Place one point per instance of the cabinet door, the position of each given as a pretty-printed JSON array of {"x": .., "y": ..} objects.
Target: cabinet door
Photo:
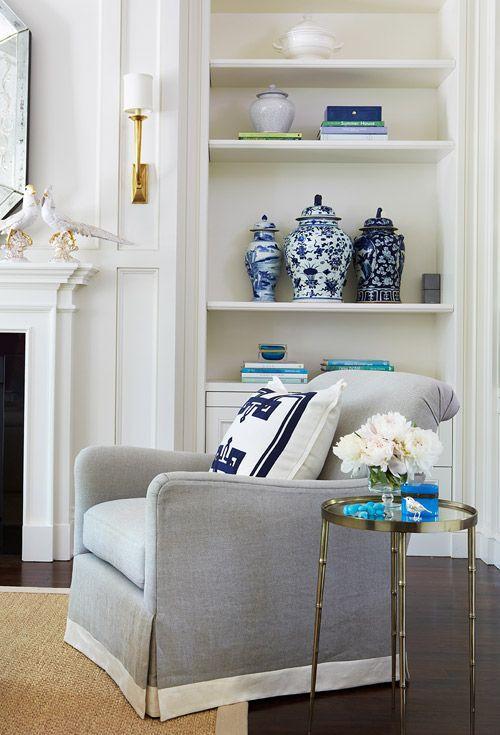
[
  {"x": 218, "y": 420},
  {"x": 444, "y": 475}
]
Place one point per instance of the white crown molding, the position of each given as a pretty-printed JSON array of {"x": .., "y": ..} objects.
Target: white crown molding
[{"x": 54, "y": 274}]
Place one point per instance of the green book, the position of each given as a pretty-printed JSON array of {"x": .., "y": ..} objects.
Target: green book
[
  {"x": 352, "y": 124},
  {"x": 269, "y": 136}
]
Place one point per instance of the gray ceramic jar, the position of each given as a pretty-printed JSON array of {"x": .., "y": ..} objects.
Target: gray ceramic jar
[
  {"x": 272, "y": 111},
  {"x": 318, "y": 254}
]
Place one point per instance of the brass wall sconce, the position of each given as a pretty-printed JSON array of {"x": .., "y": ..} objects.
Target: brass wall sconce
[{"x": 138, "y": 103}]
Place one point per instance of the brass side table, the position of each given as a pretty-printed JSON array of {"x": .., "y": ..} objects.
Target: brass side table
[{"x": 452, "y": 517}]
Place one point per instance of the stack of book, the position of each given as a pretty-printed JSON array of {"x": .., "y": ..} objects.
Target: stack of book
[
  {"x": 269, "y": 136},
  {"x": 329, "y": 364},
  {"x": 261, "y": 372},
  {"x": 353, "y": 123}
]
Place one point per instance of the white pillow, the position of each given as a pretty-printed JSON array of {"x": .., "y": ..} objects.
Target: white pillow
[{"x": 280, "y": 434}]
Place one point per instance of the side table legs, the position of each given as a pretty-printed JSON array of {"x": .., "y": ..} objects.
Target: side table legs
[
  {"x": 471, "y": 543},
  {"x": 402, "y": 628},
  {"x": 323, "y": 551},
  {"x": 394, "y": 610}
]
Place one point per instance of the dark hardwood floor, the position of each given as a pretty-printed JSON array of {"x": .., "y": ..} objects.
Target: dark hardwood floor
[
  {"x": 15, "y": 573},
  {"x": 438, "y": 698}
]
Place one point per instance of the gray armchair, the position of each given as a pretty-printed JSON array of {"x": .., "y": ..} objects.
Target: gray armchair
[{"x": 195, "y": 590}]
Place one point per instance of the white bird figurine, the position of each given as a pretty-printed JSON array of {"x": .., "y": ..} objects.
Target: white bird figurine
[
  {"x": 18, "y": 240},
  {"x": 65, "y": 228},
  {"x": 415, "y": 508}
]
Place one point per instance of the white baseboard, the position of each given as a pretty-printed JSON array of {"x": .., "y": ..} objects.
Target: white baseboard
[
  {"x": 430, "y": 544},
  {"x": 38, "y": 543},
  {"x": 454, "y": 545},
  {"x": 488, "y": 548},
  {"x": 48, "y": 543},
  {"x": 63, "y": 541}
]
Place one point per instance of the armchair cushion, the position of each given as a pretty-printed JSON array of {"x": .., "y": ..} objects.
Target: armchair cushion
[{"x": 114, "y": 531}]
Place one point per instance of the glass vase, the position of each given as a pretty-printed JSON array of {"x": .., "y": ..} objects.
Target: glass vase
[{"x": 387, "y": 492}]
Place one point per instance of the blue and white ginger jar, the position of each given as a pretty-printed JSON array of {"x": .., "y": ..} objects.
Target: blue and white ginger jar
[
  {"x": 263, "y": 260},
  {"x": 379, "y": 256},
  {"x": 318, "y": 254}
]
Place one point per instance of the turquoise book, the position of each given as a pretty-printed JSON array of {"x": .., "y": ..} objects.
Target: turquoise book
[{"x": 331, "y": 361}]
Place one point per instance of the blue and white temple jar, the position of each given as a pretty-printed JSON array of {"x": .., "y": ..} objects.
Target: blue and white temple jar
[
  {"x": 318, "y": 254},
  {"x": 263, "y": 260},
  {"x": 379, "y": 256}
]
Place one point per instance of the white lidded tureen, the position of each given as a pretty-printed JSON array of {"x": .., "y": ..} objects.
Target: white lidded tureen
[{"x": 308, "y": 40}]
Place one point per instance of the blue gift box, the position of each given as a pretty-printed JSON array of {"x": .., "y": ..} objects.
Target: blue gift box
[
  {"x": 426, "y": 492},
  {"x": 362, "y": 113}
]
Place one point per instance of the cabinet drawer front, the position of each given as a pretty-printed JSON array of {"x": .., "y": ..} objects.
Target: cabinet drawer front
[
  {"x": 229, "y": 398},
  {"x": 218, "y": 420}
]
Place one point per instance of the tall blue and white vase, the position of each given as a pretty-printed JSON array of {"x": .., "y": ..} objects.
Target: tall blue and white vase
[
  {"x": 318, "y": 254},
  {"x": 379, "y": 256},
  {"x": 263, "y": 260}
]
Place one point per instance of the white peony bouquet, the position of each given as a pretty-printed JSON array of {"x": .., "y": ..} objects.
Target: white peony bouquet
[{"x": 392, "y": 449}]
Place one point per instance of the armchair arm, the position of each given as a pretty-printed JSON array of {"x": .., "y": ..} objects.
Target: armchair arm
[
  {"x": 248, "y": 546},
  {"x": 185, "y": 511},
  {"x": 112, "y": 473}
]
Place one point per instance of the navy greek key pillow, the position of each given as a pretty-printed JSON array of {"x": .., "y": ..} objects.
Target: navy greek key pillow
[{"x": 281, "y": 434}]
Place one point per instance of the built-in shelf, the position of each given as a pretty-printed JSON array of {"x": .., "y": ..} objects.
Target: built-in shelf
[
  {"x": 378, "y": 73},
  {"x": 318, "y": 306},
  {"x": 320, "y": 151},
  {"x": 235, "y": 386},
  {"x": 327, "y": 6}
]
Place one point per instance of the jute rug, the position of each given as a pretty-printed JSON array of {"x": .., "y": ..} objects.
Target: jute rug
[{"x": 49, "y": 688}]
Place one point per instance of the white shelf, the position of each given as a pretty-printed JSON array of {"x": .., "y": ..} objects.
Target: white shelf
[
  {"x": 239, "y": 387},
  {"x": 377, "y": 73},
  {"x": 326, "y": 6},
  {"x": 320, "y": 151},
  {"x": 318, "y": 306}
]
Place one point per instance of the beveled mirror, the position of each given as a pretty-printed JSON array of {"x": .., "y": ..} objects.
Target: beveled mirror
[{"x": 14, "y": 89}]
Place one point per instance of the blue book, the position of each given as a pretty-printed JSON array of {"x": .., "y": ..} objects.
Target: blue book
[
  {"x": 357, "y": 112},
  {"x": 274, "y": 370},
  {"x": 380, "y": 368},
  {"x": 327, "y": 361}
]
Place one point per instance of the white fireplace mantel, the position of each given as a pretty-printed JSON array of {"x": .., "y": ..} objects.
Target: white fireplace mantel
[{"x": 37, "y": 299}]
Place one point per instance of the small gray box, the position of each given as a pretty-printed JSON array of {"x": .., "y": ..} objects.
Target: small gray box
[
  {"x": 431, "y": 296},
  {"x": 431, "y": 281}
]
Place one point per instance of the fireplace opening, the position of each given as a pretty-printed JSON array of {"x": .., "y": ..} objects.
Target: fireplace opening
[{"x": 12, "y": 369}]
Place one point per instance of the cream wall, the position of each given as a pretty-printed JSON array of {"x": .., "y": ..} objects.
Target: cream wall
[
  {"x": 126, "y": 344},
  {"x": 123, "y": 383}
]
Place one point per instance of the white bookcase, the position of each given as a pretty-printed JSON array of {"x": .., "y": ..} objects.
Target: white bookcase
[{"x": 409, "y": 57}]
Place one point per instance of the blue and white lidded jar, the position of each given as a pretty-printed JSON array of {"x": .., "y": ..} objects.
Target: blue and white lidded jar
[
  {"x": 318, "y": 254},
  {"x": 379, "y": 256},
  {"x": 263, "y": 260}
]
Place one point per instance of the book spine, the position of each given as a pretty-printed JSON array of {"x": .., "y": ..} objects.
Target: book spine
[
  {"x": 266, "y": 378},
  {"x": 353, "y": 123},
  {"x": 270, "y": 136},
  {"x": 327, "y": 361},
  {"x": 274, "y": 371},
  {"x": 353, "y": 137},
  {"x": 354, "y": 131},
  {"x": 270, "y": 364},
  {"x": 381, "y": 368}
]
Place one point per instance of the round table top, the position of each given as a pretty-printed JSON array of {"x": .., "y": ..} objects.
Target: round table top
[{"x": 452, "y": 517}]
